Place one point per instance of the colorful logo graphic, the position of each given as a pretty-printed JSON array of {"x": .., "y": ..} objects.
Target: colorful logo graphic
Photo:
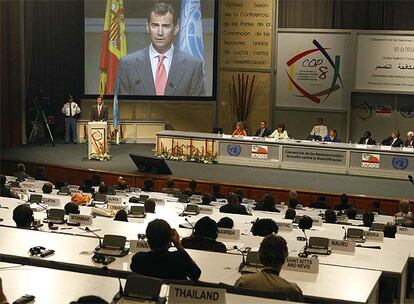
[
  {"x": 371, "y": 161},
  {"x": 363, "y": 110},
  {"x": 314, "y": 73},
  {"x": 407, "y": 111},
  {"x": 400, "y": 163},
  {"x": 233, "y": 150},
  {"x": 260, "y": 152},
  {"x": 383, "y": 111}
]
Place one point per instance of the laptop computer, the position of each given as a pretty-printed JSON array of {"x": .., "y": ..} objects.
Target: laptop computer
[
  {"x": 191, "y": 209},
  {"x": 137, "y": 211},
  {"x": 55, "y": 216},
  {"x": 355, "y": 234},
  {"x": 141, "y": 289},
  {"x": 113, "y": 245},
  {"x": 64, "y": 191}
]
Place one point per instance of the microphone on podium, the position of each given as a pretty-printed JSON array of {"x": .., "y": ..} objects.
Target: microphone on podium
[{"x": 95, "y": 234}]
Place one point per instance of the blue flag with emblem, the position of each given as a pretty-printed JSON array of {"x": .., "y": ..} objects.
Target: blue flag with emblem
[
  {"x": 116, "y": 114},
  {"x": 190, "y": 38}
]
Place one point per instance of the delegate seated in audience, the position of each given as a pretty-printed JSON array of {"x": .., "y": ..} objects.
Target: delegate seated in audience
[
  {"x": 40, "y": 174},
  {"x": 215, "y": 191},
  {"x": 344, "y": 205},
  {"x": 268, "y": 204},
  {"x": 87, "y": 186},
  {"x": 148, "y": 185},
  {"x": 405, "y": 209},
  {"x": 121, "y": 184},
  {"x": 23, "y": 216},
  {"x": 239, "y": 130},
  {"x": 273, "y": 252},
  {"x": 103, "y": 189},
  {"x": 206, "y": 199},
  {"x": 410, "y": 139},
  {"x": 4, "y": 190},
  {"x": 21, "y": 172},
  {"x": 89, "y": 300},
  {"x": 192, "y": 188},
  {"x": 149, "y": 205},
  {"x": 319, "y": 129},
  {"x": 262, "y": 131},
  {"x": 204, "y": 237},
  {"x": 332, "y": 136},
  {"x": 3, "y": 298},
  {"x": 376, "y": 206},
  {"x": 47, "y": 188},
  {"x": 96, "y": 180},
  {"x": 290, "y": 214},
  {"x": 321, "y": 203},
  {"x": 368, "y": 219},
  {"x": 330, "y": 216},
  {"x": 233, "y": 205},
  {"x": 366, "y": 139},
  {"x": 264, "y": 226},
  {"x": 59, "y": 184},
  {"x": 351, "y": 213},
  {"x": 390, "y": 230},
  {"x": 121, "y": 216},
  {"x": 161, "y": 263},
  {"x": 71, "y": 208},
  {"x": 394, "y": 140},
  {"x": 225, "y": 222},
  {"x": 293, "y": 199},
  {"x": 170, "y": 188},
  {"x": 280, "y": 132}
]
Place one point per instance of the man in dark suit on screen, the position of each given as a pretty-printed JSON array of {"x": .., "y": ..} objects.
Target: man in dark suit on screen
[
  {"x": 160, "y": 68},
  {"x": 99, "y": 111}
]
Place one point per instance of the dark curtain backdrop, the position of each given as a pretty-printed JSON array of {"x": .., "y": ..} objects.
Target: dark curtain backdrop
[
  {"x": 347, "y": 14},
  {"x": 10, "y": 79},
  {"x": 54, "y": 43}
]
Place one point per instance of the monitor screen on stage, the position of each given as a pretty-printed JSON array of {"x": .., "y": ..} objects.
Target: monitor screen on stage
[{"x": 147, "y": 49}]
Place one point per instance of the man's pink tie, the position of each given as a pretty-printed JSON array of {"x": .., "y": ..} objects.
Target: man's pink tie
[{"x": 161, "y": 76}]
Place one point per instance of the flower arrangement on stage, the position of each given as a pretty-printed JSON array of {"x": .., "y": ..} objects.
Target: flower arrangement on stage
[
  {"x": 101, "y": 157},
  {"x": 178, "y": 153}
]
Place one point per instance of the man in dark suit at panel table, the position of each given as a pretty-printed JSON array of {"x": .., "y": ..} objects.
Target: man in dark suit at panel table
[
  {"x": 160, "y": 68},
  {"x": 263, "y": 131}
]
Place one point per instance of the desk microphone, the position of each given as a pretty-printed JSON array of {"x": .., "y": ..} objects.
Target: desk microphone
[
  {"x": 121, "y": 289},
  {"x": 192, "y": 226},
  {"x": 44, "y": 208},
  {"x": 344, "y": 232},
  {"x": 243, "y": 253},
  {"x": 95, "y": 234}
]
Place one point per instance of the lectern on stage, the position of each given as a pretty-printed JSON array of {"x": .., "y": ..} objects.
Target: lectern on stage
[{"x": 97, "y": 139}]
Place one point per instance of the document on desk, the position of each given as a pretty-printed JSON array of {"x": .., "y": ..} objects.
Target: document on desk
[{"x": 91, "y": 228}]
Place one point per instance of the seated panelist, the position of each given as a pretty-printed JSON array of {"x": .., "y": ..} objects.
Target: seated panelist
[
  {"x": 239, "y": 131},
  {"x": 280, "y": 132},
  {"x": 394, "y": 140},
  {"x": 366, "y": 139},
  {"x": 319, "y": 129},
  {"x": 263, "y": 131},
  {"x": 332, "y": 136}
]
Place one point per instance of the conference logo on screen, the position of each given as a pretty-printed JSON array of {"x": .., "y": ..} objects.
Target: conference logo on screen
[
  {"x": 400, "y": 163},
  {"x": 314, "y": 73},
  {"x": 371, "y": 161},
  {"x": 233, "y": 150}
]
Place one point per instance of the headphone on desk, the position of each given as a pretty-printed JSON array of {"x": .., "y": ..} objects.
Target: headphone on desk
[
  {"x": 37, "y": 250},
  {"x": 99, "y": 258}
]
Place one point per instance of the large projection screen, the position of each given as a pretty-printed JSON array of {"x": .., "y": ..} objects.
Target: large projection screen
[{"x": 125, "y": 38}]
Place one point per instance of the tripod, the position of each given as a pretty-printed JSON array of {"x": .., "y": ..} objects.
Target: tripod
[{"x": 40, "y": 118}]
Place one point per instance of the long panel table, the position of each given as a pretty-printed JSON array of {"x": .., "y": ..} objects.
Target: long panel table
[{"x": 305, "y": 155}]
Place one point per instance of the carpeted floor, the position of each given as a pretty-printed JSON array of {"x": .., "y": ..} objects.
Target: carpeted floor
[{"x": 76, "y": 156}]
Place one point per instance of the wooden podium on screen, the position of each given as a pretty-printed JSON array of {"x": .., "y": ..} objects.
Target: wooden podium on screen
[{"x": 97, "y": 139}]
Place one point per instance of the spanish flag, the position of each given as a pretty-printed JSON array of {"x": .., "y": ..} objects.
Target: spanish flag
[{"x": 113, "y": 45}]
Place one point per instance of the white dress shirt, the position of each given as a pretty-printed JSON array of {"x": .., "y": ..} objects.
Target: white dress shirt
[
  {"x": 153, "y": 54},
  {"x": 67, "y": 106}
]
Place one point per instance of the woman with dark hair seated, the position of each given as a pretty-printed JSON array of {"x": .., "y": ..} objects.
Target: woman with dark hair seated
[
  {"x": 160, "y": 262},
  {"x": 268, "y": 204},
  {"x": 148, "y": 185},
  {"x": 273, "y": 252},
  {"x": 204, "y": 237},
  {"x": 225, "y": 222},
  {"x": 121, "y": 216},
  {"x": 332, "y": 136},
  {"x": 290, "y": 214},
  {"x": 87, "y": 186},
  {"x": 330, "y": 216}
]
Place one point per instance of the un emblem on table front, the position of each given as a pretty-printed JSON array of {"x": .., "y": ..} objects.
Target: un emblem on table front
[
  {"x": 233, "y": 150},
  {"x": 400, "y": 163}
]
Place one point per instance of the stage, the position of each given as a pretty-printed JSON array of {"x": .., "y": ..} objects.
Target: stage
[{"x": 75, "y": 156}]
